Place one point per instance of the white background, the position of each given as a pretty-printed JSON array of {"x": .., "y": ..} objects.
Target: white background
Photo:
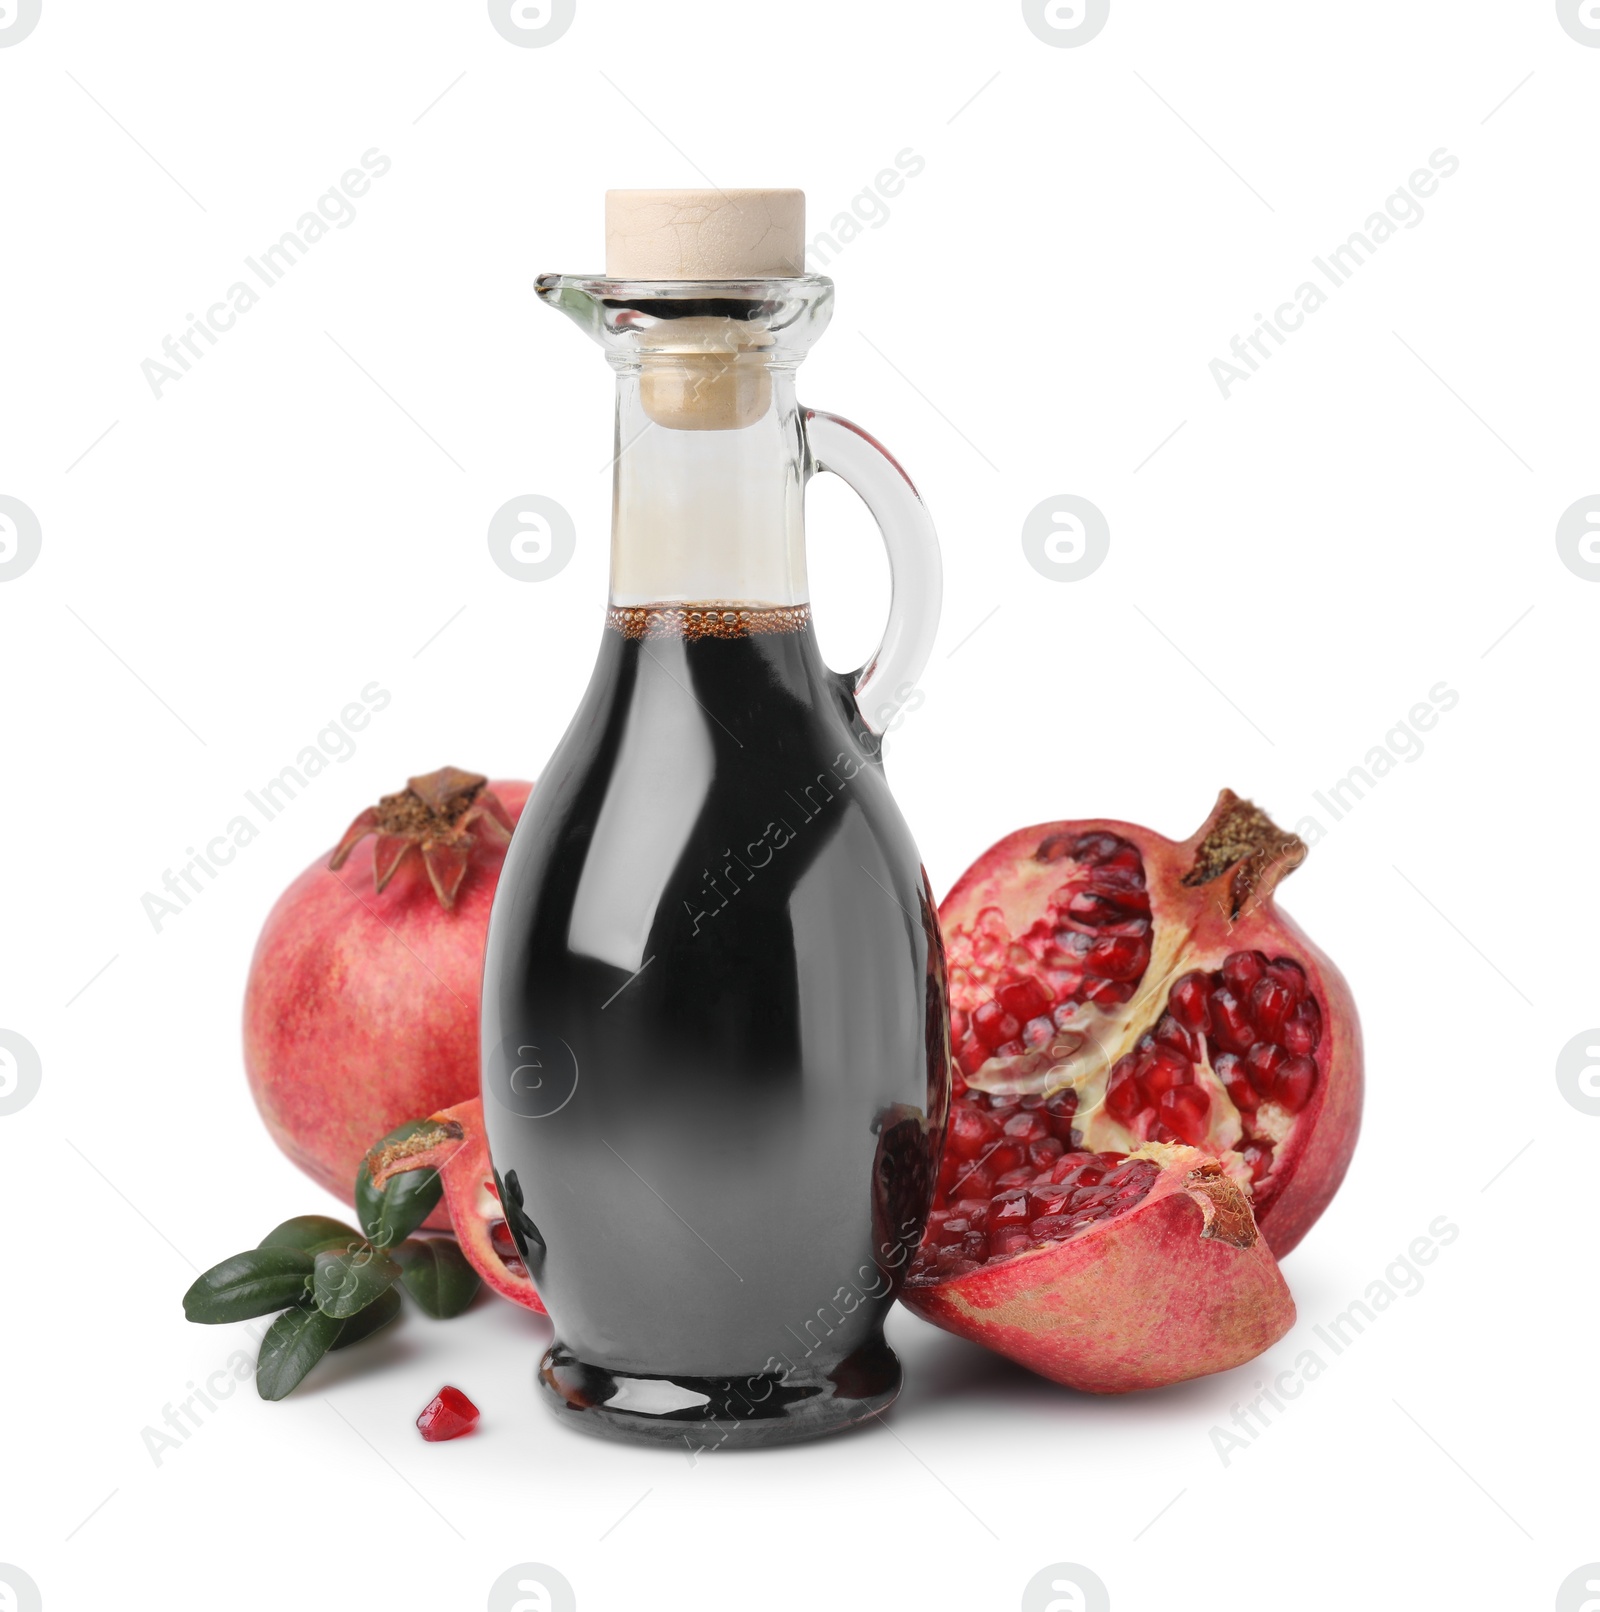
[{"x": 1370, "y": 515}]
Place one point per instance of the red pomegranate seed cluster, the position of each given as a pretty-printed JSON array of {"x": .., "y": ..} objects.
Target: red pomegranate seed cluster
[
  {"x": 1259, "y": 1023},
  {"x": 1012, "y": 995},
  {"x": 991, "y": 1207}
]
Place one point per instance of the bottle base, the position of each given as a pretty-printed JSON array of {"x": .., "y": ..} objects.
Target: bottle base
[{"x": 712, "y": 1413}]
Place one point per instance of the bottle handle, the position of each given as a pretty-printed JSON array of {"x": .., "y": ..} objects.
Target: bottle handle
[{"x": 916, "y": 575}]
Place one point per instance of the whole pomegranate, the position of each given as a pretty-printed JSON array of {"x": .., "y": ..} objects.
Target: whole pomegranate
[{"x": 361, "y": 1010}]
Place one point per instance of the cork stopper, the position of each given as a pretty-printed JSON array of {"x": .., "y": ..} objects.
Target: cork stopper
[
  {"x": 705, "y": 372},
  {"x": 705, "y": 234}
]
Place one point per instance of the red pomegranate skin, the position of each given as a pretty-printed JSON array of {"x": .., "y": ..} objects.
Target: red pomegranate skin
[
  {"x": 1179, "y": 1286},
  {"x": 361, "y": 1010}
]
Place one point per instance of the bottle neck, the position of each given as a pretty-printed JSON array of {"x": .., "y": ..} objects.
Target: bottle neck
[{"x": 709, "y": 514}]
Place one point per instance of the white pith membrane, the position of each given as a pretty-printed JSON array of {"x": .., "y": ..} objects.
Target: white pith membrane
[{"x": 1053, "y": 920}]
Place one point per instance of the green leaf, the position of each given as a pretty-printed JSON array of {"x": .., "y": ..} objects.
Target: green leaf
[
  {"x": 347, "y": 1280},
  {"x": 390, "y": 1216},
  {"x": 253, "y": 1283},
  {"x": 378, "y": 1314},
  {"x": 294, "y": 1343},
  {"x": 437, "y": 1275},
  {"x": 309, "y": 1232}
]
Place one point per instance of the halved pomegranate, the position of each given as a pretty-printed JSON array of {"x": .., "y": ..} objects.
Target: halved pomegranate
[
  {"x": 1111, "y": 987},
  {"x": 454, "y": 1144},
  {"x": 1110, "y": 1274}
]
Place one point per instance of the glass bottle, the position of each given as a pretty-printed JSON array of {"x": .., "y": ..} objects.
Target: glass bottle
[{"x": 714, "y": 1023}]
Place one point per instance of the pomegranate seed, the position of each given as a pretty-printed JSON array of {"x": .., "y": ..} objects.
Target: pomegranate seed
[
  {"x": 1296, "y": 1080},
  {"x": 1230, "y": 1027},
  {"x": 1044, "y": 1153},
  {"x": 1048, "y": 1228},
  {"x": 1289, "y": 974},
  {"x": 1025, "y": 1127},
  {"x": 1120, "y": 958},
  {"x": 1023, "y": 1000},
  {"x": 1006, "y": 1156},
  {"x": 1258, "y": 1155},
  {"x": 972, "y": 1057},
  {"x": 1190, "y": 1000},
  {"x": 1240, "y": 970},
  {"x": 1169, "y": 1033},
  {"x": 1010, "y": 1049},
  {"x": 1236, "y": 1083},
  {"x": 975, "y": 1211},
  {"x": 973, "y": 1181},
  {"x": 1004, "y": 1244},
  {"x": 1031, "y": 1100},
  {"x": 1089, "y": 908},
  {"x": 971, "y": 1131},
  {"x": 448, "y": 1414},
  {"x": 1270, "y": 1004},
  {"x": 993, "y": 1026},
  {"x": 1038, "y": 1032},
  {"x": 1108, "y": 993},
  {"x": 1185, "y": 1110},
  {"x": 1160, "y": 1070},
  {"x": 952, "y": 1233},
  {"x": 1022, "y": 1176},
  {"x": 1123, "y": 1099},
  {"x": 1093, "y": 849},
  {"x": 1263, "y": 1062},
  {"x": 1304, "y": 1029},
  {"x": 1060, "y": 1110},
  {"x": 1003, "y": 1104},
  {"x": 958, "y": 1026}
]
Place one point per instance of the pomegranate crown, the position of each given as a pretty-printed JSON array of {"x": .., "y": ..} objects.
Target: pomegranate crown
[{"x": 440, "y": 816}]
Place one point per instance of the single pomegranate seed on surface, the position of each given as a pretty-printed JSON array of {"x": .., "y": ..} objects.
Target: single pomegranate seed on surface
[
  {"x": 447, "y": 1415},
  {"x": 1289, "y": 974}
]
